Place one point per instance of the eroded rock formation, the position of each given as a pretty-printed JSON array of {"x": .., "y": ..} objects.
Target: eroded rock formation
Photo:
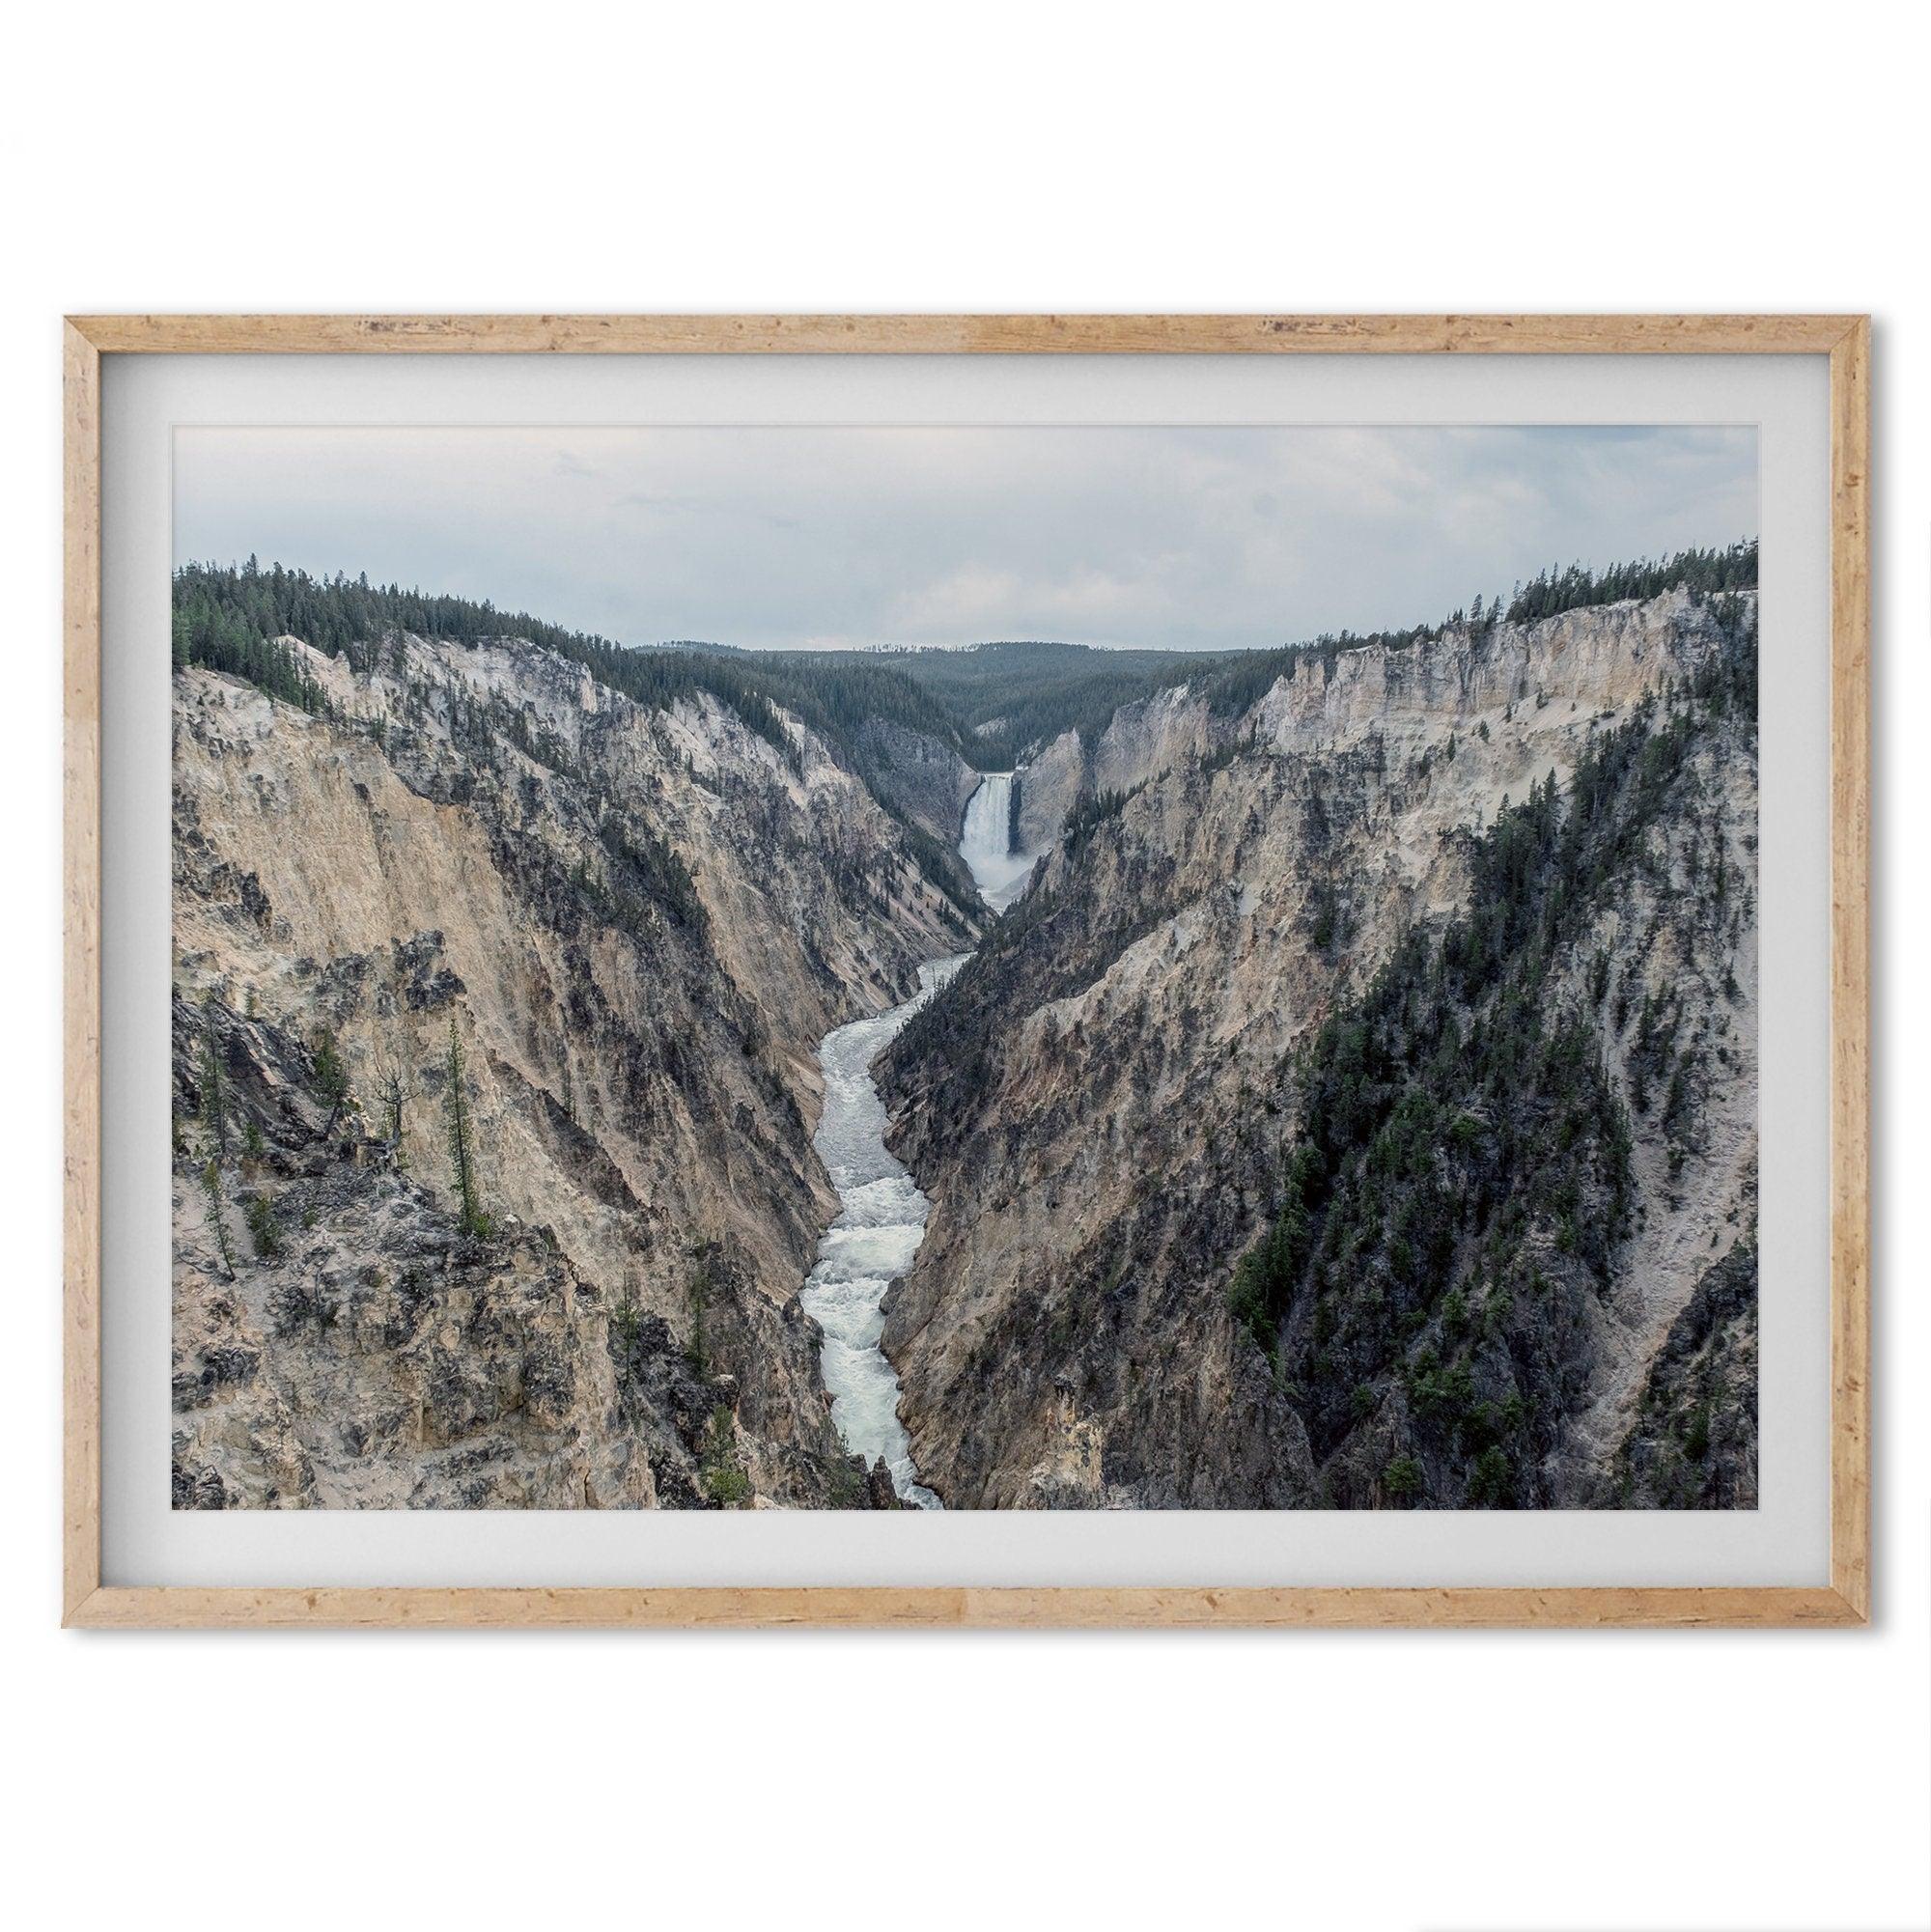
[
  {"x": 633, "y": 924},
  {"x": 1107, "y": 1105}
]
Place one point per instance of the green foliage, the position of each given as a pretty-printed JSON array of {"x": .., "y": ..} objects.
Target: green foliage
[
  {"x": 459, "y": 1130},
  {"x": 1457, "y": 1122},
  {"x": 626, "y": 1323},
  {"x": 1706, "y": 573},
  {"x": 212, "y": 1081},
  {"x": 838, "y": 693},
  {"x": 1090, "y": 811},
  {"x": 1599, "y": 975},
  {"x": 646, "y": 871},
  {"x": 1005, "y": 697},
  {"x": 724, "y": 1479},
  {"x": 1401, "y": 1480},
  {"x": 1492, "y": 1484},
  {"x": 700, "y": 1295},
  {"x": 1265, "y": 1277},
  {"x": 211, "y": 630},
  {"x": 332, "y": 1077},
  {"x": 264, "y": 1228},
  {"x": 844, "y": 1485},
  {"x": 211, "y": 1186},
  {"x": 991, "y": 702},
  {"x": 228, "y": 619},
  {"x": 225, "y": 618},
  {"x": 1030, "y": 692},
  {"x": 1329, "y": 923}
]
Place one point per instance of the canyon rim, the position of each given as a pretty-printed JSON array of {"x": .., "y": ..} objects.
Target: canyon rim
[{"x": 957, "y": 969}]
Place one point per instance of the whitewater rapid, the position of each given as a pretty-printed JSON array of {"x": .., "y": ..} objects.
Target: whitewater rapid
[
  {"x": 881, "y": 1211},
  {"x": 871, "y": 1244}
]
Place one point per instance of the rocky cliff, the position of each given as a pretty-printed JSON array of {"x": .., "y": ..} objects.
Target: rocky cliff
[
  {"x": 1150, "y": 735},
  {"x": 1354, "y": 1108},
  {"x": 928, "y": 781},
  {"x": 619, "y": 930}
]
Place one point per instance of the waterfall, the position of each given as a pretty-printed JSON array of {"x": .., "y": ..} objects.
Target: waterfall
[
  {"x": 986, "y": 843},
  {"x": 881, "y": 1211}
]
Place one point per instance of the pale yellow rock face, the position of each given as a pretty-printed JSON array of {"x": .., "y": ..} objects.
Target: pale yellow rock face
[
  {"x": 485, "y": 836},
  {"x": 634, "y": 1093},
  {"x": 1369, "y": 779}
]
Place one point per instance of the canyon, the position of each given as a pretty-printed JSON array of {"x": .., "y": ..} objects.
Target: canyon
[
  {"x": 1106, "y": 1109},
  {"x": 631, "y": 926},
  {"x": 1325, "y": 1080}
]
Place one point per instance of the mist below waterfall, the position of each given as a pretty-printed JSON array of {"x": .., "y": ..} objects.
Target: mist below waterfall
[{"x": 986, "y": 843}]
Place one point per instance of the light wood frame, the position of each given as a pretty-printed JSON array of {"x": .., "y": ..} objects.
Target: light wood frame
[{"x": 1845, "y": 1600}]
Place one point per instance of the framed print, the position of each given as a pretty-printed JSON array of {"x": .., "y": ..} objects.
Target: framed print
[{"x": 977, "y": 971}]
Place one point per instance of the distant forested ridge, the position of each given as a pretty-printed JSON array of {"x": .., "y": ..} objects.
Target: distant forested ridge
[
  {"x": 1006, "y": 697},
  {"x": 992, "y": 703},
  {"x": 1009, "y": 698}
]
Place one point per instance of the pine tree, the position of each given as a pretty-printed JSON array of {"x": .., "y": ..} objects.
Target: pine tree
[
  {"x": 462, "y": 1137},
  {"x": 694, "y": 1353},
  {"x": 210, "y": 1185},
  {"x": 213, "y": 1097},
  {"x": 332, "y": 1077},
  {"x": 263, "y": 1227}
]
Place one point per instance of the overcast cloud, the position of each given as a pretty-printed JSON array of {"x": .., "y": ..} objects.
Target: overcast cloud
[{"x": 1194, "y": 538}]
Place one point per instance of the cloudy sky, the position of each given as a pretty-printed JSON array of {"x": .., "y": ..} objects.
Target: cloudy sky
[{"x": 1203, "y": 539}]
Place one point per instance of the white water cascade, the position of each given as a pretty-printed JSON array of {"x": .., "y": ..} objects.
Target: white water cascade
[
  {"x": 987, "y": 845},
  {"x": 872, "y": 1241},
  {"x": 881, "y": 1211}
]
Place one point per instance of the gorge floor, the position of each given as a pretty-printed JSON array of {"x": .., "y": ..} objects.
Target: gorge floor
[
  {"x": 879, "y": 1225},
  {"x": 882, "y": 1211}
]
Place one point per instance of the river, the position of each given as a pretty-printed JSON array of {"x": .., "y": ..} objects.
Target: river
[{"x": 881, "y": 1211}]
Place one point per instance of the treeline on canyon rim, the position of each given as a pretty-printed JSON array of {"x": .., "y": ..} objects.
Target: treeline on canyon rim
[
  {"x": 232, "y": 620},
  {"x": 229, "y": 619},
  {"x": 989, "y": 704},
  {"x": 1010, "y": 698},
  {"x": 1231, "y": 685}
]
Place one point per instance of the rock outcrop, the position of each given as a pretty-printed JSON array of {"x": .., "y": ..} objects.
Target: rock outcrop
[
  {"x": 928, "y": 781},
  {"x": 1106, "y": 1107},
  {"x": 1692, "y": 1441},
  {"x": 1357, "y": 1111},
  {"x": 633, "y": 924}
]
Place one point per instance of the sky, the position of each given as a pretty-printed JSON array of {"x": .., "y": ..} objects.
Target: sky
[{"x": 1192, "y": 539}]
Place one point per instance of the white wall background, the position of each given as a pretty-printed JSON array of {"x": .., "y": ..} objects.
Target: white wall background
[{"x": 844, "y": 156}]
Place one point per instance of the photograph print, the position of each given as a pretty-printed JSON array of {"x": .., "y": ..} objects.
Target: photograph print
[{"x": 964, "y": 968}]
